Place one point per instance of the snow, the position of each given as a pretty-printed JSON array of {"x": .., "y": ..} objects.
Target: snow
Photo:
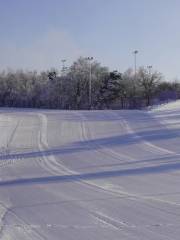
[
  {"x": 174, "y": 105},
  {"x": 90, "y": 174}
]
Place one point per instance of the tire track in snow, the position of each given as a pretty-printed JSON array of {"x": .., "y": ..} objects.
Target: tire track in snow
[
  {"x": 112, "y": 190},
  {"x": 99, "y": 147},
  {"x": 117, "y": 189},
  {"x": 5, "y": 151},
  {"x": 20, "y": 224},
  {"x": 147, "y": 143},
  {"x": 4, "y": 210},
  {"x": 154, "y": 148},
  {"x": 66, "y": 170}
]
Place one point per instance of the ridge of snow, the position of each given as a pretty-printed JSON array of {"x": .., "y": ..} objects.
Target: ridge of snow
[{"x": 175, "y": 105}]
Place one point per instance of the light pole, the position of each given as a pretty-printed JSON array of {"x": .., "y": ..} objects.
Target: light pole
[
  {"x": 149, "y": 69},
  {"x": 63, "y": 67},
  {"x": 61, "y": 82},
  {"x": 150, "y": 84},
  {"x": 90, "y": 80},
  {"x": 135, "y": 62},
  {"x": 135, "y": 52}
]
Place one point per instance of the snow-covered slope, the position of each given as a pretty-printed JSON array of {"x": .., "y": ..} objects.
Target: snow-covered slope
[
  {"x": 76, "y": 175},
  {"x": 174, "y": 105},
  {"x": 168, "y": 114}
]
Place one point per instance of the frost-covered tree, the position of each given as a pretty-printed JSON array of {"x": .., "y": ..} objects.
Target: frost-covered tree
[
  {"x": 110, "y": 88},
  {"x": 79, "y": 79},
  {"x": 148, "y": 82},
  {"x": 48, "y": 89}
]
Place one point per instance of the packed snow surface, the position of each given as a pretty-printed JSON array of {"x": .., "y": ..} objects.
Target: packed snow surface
[
  {"x": 174, "y": 105},
  {"x": 90, "y": 174}
]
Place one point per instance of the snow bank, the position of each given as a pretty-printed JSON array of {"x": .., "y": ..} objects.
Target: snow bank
[{"x": 175, "y": 105}]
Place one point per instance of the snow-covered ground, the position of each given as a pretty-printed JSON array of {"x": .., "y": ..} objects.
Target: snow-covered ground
[
  {"x": 90, "y": 174},
  {"x": 173, "y": 105}
]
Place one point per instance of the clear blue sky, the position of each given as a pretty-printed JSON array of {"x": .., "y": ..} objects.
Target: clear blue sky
[{"x": 37, "y": 34}]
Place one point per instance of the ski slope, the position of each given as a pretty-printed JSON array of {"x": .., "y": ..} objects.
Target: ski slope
[{"x": 90, "y": 174}]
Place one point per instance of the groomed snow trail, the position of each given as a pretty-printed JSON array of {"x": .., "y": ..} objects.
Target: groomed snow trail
[{"x": 90, "y": 174}]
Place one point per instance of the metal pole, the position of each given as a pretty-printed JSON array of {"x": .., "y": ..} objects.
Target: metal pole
[
  {"x": 149, "y": 90},
  {"x": 135, "y": 75},
  {"x": 149, "y": 68},
  {"x": 90, "y": 87},
  {"x": 135, "y": 63},
  {"x": 63, "y": 67},
  {"x": 90, "y": 81},
  {"x": 61, "y": 83}
]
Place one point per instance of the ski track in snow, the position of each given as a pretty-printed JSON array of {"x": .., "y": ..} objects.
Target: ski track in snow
[{"x": 52, "y": 164}]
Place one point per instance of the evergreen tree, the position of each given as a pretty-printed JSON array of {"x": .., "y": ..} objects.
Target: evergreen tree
[{"x": 110, "y": 89}]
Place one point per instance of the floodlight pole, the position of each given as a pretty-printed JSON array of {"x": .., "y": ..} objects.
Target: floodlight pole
[
  {"x": 135, "y": 62},
  {"x": 135, "y": 73},
  {"x": 90, "y": 80},
  {"x": 149, "y": 69},
  {"x": 63, "y": 67}
]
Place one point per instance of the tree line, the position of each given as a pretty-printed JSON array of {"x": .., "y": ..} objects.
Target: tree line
[{"x": 70, "y": 89}]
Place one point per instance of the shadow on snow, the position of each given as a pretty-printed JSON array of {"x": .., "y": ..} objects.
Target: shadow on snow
[{"x": 92, "y": 176}]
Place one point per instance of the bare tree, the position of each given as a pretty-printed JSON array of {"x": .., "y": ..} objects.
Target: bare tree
[{"x": 148, "y": 82}]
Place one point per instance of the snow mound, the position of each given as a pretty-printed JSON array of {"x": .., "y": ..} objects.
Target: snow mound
[{"x": 175, "y": 105}]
